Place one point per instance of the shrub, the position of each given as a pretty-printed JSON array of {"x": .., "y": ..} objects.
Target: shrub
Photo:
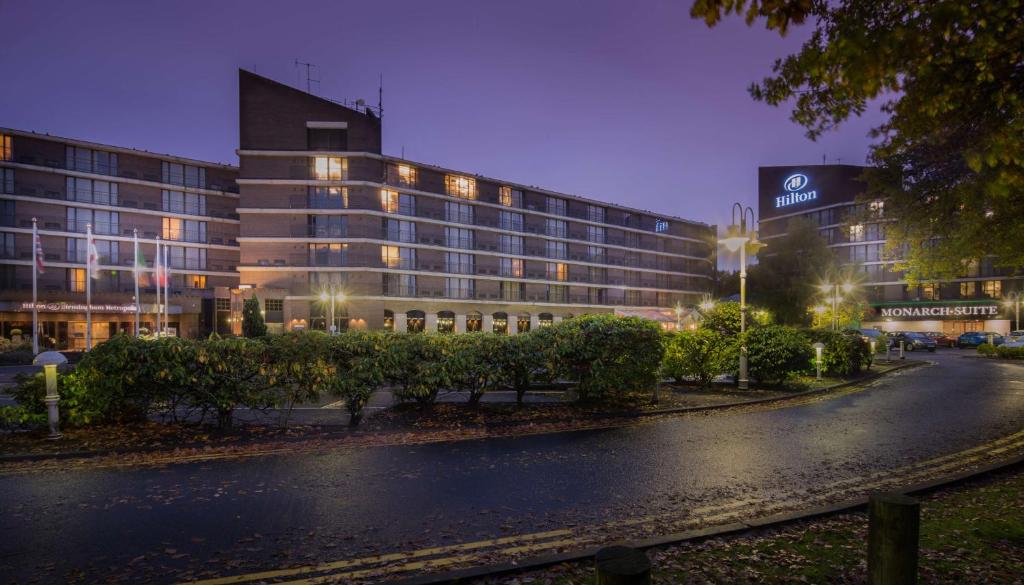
[
  {"x": 531, "y": 358},
  {"x": 776, "y": 353},
  {"x": 1011, "y": 353},
  {"x": 986, "y": 349},
  {"x": 301, "y": 366},
  {"x": 360, "y": 362},
  {"x": 419, "y": 365},
  {"x": 480, "y": 363},
  {"x": 253, "y": 324},
  {"x": 230, "y": 372},
  {"x": 845, "y": 353},
  {"x": 698, "y": 356},
  {"x": 724, "y": 317},
  {"x": 608, "y": 356}
]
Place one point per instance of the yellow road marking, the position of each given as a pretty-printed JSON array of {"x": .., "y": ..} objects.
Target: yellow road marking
[
  {"x": 428, "y": 564},
  {"x": 425, "y": 552}
]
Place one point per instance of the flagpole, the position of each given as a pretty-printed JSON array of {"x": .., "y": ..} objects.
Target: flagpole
[
  {"x": 167, "y": 289},
  {"x": 138, "y": 301},
  {"x": 35, "y": 287},
  {"x": 156, "y": 280},
  {"x": 88, "y": 286}
]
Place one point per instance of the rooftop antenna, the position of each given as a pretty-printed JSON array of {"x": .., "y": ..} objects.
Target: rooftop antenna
[{"x": 309, "y": 78}]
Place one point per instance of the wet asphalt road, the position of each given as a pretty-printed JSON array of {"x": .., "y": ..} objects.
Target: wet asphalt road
[{"x": 281, "y": 510}]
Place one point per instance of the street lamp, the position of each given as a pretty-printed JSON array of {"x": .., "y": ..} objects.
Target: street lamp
[
  {"x": 1013, "y": 300},
  {"x": 738, "y": 237},
  {"x": 834, "y": 290},
  {"x": 330, "y": 294}
]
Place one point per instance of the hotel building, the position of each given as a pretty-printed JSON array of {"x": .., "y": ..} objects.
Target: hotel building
[
  {"x": 68, "y": 184},
  {"x": 315, "y": 210},
  {"x": 829, "y": 197}
]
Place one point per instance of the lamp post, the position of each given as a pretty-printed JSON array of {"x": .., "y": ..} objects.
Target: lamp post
[
  {"x": 1013, "y": 300},
  {"x": 833, "y": 289},
  {"x": 739, "y": 235},
  {"x": 333, "y": 296},
  {"x": 818, "y": 348}
]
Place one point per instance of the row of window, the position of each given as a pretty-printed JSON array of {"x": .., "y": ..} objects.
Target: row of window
[
  {"x": 112, "y": 281},
  {"x": 109, "y": 254},
  {"x": 182, "y": 174},
  {"x": 336, "y": 168},
  {"x": 87, "y": 160}
]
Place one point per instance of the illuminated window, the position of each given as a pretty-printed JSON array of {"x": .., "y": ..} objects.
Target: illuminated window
[
  {"x": 660, "y": 225},
  {"x": 195, "y": 280},
  {"x": 968, "y": 290},
  {"x": 992, "y": 289},
  {"x": 558, "y": 271},
  {"x": 462, "y": 187},
  {"x": 328, "y": 254},
  {"x": 76, "y": 279},
  {"x": 930, "y": 292},
  {"x": 406, "y": 175},
  {"x": 510, "y": 197},
  {"x": 330, "y": 168},
  {"x": 184, "y": 230},
  {"x": 877, "y": 208},
  {"x": 395, "y": 257},
  {"x": 6, "y": 147},
  {"x": 395, "y": 202},
  {"x": 857, "y": 233},
  {"x": 511, "y": 267}
]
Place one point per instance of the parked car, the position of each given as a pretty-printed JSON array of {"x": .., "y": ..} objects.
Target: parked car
[
  {"x": 941, "y": 339},
  {"x": 912, "y": 340},
  {"x": 1015, "y": 336},
  {"x": 1018, "y": 343},
  {"x": 868, "y": 335},
  {"x": 976, "y": 338}
]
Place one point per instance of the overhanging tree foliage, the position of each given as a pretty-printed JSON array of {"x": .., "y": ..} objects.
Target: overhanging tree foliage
[{"x": 949, "y": 161}]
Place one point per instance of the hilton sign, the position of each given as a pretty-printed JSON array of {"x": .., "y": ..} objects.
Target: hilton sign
[
  {"x": 795, "y": 185},
  {"x": 940, "y": 312}
]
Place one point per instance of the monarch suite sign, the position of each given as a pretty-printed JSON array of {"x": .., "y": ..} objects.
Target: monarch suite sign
[{"x": 940, "y": 311}]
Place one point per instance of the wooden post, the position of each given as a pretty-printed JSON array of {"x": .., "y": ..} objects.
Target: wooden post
[
  {"x": 622, "y": 565},
  {"x": 894, "y": 522}
]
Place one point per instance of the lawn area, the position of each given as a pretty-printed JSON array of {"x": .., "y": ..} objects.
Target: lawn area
[{"x": 972, "y": 533}]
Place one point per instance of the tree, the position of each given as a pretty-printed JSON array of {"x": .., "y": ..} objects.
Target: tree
[
  {"x": 788, "y": 272},
  {"x": 949, "y": 160},
  {"x": 724, "y": 317},
  {"x": 253, "y": 324}
]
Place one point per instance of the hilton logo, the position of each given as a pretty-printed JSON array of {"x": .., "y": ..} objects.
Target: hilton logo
[{"x": 795, "y": 185}]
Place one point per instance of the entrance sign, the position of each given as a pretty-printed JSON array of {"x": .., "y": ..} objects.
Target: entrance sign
[
  {"x": 796, "y": 185},
  {"x": 66, "y": 307}
]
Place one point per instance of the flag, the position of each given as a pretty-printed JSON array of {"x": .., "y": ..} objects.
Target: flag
[
  {"x": 38, "y": 245},
  {"x": 140, "y": 266},
  {"x": 161, "y": 272},
  {"x": 93, "y": 259}
]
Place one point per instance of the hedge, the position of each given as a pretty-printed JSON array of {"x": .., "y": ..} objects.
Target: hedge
[
  {"x": 845, "y": 353},
  {"x": 776, "y": 353}
]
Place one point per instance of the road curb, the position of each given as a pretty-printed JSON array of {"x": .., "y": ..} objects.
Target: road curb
[
  {"x": 29, "y": 457},
  {"x": 539, "y": 562}
]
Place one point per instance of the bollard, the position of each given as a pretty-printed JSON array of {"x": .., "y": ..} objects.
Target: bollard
[
  {"x": 893, "y": 530},
  {"x": 902, "y": 357},
  {"x": 621, "y": 565},
  {"x": 50, "y": 360},
  {"x": 888, "y": 347}
]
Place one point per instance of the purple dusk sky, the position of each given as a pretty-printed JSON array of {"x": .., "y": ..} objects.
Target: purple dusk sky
[{"x": 629, "y": 102}]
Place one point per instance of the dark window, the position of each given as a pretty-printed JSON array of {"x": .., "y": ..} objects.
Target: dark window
[{"x": 327, "y": 138}]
